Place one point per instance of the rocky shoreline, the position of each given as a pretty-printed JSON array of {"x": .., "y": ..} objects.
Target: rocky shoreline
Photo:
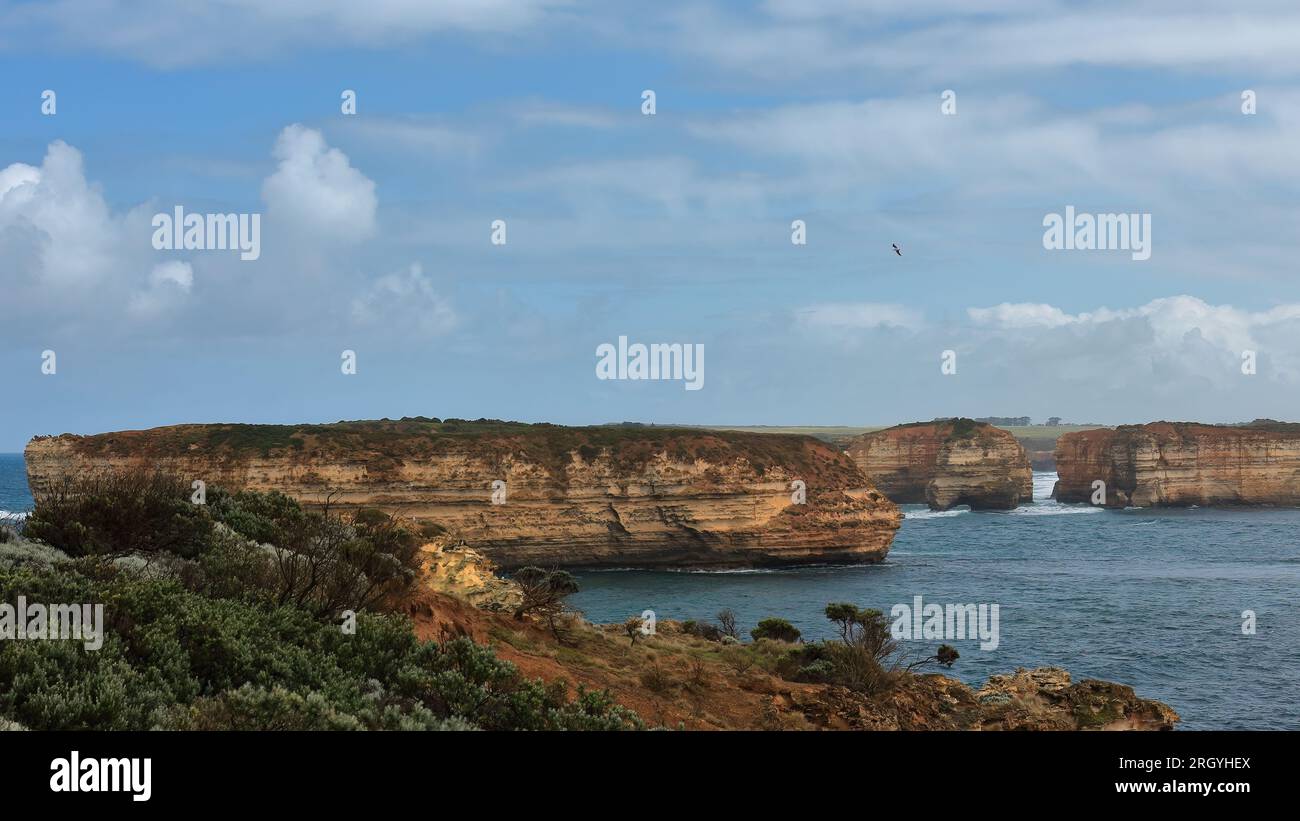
[{"x": 678, "y": 677}]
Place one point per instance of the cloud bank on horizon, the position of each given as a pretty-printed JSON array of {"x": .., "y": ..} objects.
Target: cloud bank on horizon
[{"x": 951, "y": 133}]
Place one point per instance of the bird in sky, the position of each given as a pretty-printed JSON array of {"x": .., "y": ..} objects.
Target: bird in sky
[{"x": 897, "y": 250}]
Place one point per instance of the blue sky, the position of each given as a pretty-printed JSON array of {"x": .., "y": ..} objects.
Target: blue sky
[{"x": 666, "y": 228}]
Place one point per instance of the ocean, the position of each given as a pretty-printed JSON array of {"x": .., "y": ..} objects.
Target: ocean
[
  {"x": 15, "y": 498},
  {"x": 1149, "y": 598}
]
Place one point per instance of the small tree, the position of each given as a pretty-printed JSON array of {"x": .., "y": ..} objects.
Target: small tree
[
  {"x": 845, "y": 616},
  {"x": 778, "y": 629},
  {"x": 873, "y": 634},
  {"x": 727, "y": 622},
  {"x": 633, "y": 628},
  {"x": 544, "y": 593},
  {"x": 946, "y": 656}
]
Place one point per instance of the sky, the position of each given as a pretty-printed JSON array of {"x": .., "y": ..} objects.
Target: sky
[{"x": 950, "y": 132}]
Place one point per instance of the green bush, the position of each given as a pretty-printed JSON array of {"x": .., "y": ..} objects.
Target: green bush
[
  {"x": 116, "y": 514},
  {"x": 223, "y": 616},
  {"x": 263, "y": 547},
  {"x": 778, "y": 629},
  {"x": 702, "y": 629},
  {"x": 175, "y": 659},
  {"x": 866, "y": 658},
  {"x": 267, "y": 518}
]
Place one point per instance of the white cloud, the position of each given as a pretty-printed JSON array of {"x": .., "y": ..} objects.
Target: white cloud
[
  {"x": 404, "y": 302},
  {"x": 170, "y": 283},
  {"x": 56, "y": 230},
  {"x": 1014, "y": 143},
  {"x": 1169, "y": 329},
  {"x": 217, "y": 31},
  {"x": 1021, "y": 315},
  {"x": 790, "y": 39},
  {"x": 316, "y": 190},
  {"x": 81, "y": 267}
]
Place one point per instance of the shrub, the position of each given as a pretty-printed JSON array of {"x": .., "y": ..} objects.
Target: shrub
[
  {"x": 820, "y": 671},
  {"x": 633, "y": 628},
  {"x": 698, "y": 673},
  {"x": 119, "y": 513},
  {"x": 738, "y": 658},
  {"x": 267, "y": 518},
  {"x": 259, "y": 546},
  {"x": 947, "y": 655},
  {"x": 777, "y": 629},
  {"x": 544, "y": 592},
  {"x": 865, "y": 659},
  {"x": 702, "y": 629},
  {"x": 20, "y": 551},
  {"x": 430, "y": 530},
  {"x": 656, "y": 680},
  {"x": 175, "y": 659}
]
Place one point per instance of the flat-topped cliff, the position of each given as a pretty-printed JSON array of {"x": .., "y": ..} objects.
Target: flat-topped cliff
[
  {"x": 946, "y": 463},
  {"x": 624, "y": 495},
  {"x": 1179, "y": 464}
]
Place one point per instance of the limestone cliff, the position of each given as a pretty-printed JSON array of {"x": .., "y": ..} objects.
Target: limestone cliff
[
  {"x": 946, "y": 463},
  {"x": 1179, "y": 464},
  {"x": 597, "y": 496}
]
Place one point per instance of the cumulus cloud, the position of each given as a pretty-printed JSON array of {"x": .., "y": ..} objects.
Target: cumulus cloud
[
  {"x": 170, "y": 283},
  {"x": 404, "y": 302},
  {"x": 80, "y": 264},
  {"x": 315, "y": 190},
  {"x": 1177, "y": 357},
  {"x": 1170, "y": 342},
  {"x": 56, "y": 230},
  {"x": 1022, "y": 315}
]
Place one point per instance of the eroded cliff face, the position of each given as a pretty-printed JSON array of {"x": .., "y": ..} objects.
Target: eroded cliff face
[
  {"x": 1179, "y": 464},
  {"x": 945, "y": 464},
  {"x": 601, "y": 496}
]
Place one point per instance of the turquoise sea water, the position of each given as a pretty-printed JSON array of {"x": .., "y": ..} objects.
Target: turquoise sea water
[{"x": 1152, "y": 599}]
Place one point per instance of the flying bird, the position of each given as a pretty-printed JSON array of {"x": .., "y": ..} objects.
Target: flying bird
[{"x": 897, "y": 250}]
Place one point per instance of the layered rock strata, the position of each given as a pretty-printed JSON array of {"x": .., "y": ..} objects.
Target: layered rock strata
[
  {"x": 1180, "y": 464},
  {"x": 534, "y": 494},
  {"x": 946, "y": 463}
]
